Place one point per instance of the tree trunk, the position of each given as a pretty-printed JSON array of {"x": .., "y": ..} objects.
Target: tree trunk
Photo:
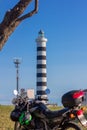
[{"x": 13, "y": 18}]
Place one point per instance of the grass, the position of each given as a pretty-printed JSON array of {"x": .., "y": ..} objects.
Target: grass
[{"x": 7, "y": 124}]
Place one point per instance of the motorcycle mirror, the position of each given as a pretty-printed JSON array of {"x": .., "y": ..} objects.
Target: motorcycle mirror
[
  {"x": 15, "y": 92},
  {"x": 47, "y": 91}
]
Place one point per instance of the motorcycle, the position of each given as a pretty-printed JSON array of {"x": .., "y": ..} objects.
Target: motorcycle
[{"x": 35, "y": 115}]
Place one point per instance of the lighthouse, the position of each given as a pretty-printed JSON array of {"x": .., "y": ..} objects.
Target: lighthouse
[{"x": 41, "y": 72}]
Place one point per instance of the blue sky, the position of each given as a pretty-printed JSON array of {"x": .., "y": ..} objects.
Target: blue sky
[{"x": 65, "y": 25}]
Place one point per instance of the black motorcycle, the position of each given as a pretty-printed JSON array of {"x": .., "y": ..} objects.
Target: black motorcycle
[{"x": 35, "y": 115}]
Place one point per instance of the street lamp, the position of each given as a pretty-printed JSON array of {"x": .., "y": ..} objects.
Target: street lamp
[{"x": 17, "y": 61}]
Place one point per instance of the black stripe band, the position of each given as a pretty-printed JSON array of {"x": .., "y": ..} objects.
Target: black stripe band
[
  {"x": 41, "y": 83},
  {"x": 41, "y": 66},
  {"x": 41, "y": 48},
  {"x": 41, "y": 93},
  {"x": 41, "y": 57},
  {"x": 41, "y": 74}
]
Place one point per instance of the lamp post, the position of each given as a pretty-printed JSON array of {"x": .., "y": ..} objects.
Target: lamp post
[{"x": 17, "y": 62}]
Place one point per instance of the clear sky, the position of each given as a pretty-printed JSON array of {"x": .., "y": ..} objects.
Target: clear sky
[{"x": 65, "y": 25}]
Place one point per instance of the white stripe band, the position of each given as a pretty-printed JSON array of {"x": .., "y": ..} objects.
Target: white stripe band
[
  {"x": 41, "y": 61},
  {"x": 41, "y": 45},
  {"x": 40, "y": 88},
  {"x": 41, "y": 70},
  {"x": 43, "y": 96},
  {"x": 41, "y": 53},
  {"x": 41, "y": 79}
]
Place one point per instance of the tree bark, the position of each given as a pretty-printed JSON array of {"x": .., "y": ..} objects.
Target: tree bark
[{"x": 13, "y": 18}]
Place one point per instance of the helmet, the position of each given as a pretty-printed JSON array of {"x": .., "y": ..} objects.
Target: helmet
[{"x": 15, "y": 114}]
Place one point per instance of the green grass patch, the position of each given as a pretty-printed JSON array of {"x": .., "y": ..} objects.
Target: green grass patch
[{"x": 7, "y": 124}]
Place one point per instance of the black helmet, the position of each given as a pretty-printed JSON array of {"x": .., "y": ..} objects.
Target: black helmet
[{"x": 15, "y": 114}]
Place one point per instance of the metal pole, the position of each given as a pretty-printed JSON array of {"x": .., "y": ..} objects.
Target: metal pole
[
  {"x": 17, "y": 77},
  {"x": 17, "y": 62}
]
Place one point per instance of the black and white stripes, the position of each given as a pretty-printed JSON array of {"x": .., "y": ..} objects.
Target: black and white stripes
[{"x": 41, "y": 82}]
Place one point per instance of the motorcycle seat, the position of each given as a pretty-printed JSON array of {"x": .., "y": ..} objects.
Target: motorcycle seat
[{"x": 52, "y": 114}]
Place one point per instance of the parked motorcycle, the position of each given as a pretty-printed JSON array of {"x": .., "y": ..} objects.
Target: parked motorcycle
[{"x": 35, "y": 115}]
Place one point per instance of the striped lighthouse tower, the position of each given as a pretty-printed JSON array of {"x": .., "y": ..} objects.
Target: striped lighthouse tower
[{"x": 41, "y": 81}]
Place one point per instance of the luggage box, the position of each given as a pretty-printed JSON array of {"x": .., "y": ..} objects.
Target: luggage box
[{"x": 73, "y": 98}]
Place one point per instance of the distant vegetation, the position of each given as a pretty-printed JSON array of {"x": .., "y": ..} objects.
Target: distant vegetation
[{"x": 6, "y": 123}]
